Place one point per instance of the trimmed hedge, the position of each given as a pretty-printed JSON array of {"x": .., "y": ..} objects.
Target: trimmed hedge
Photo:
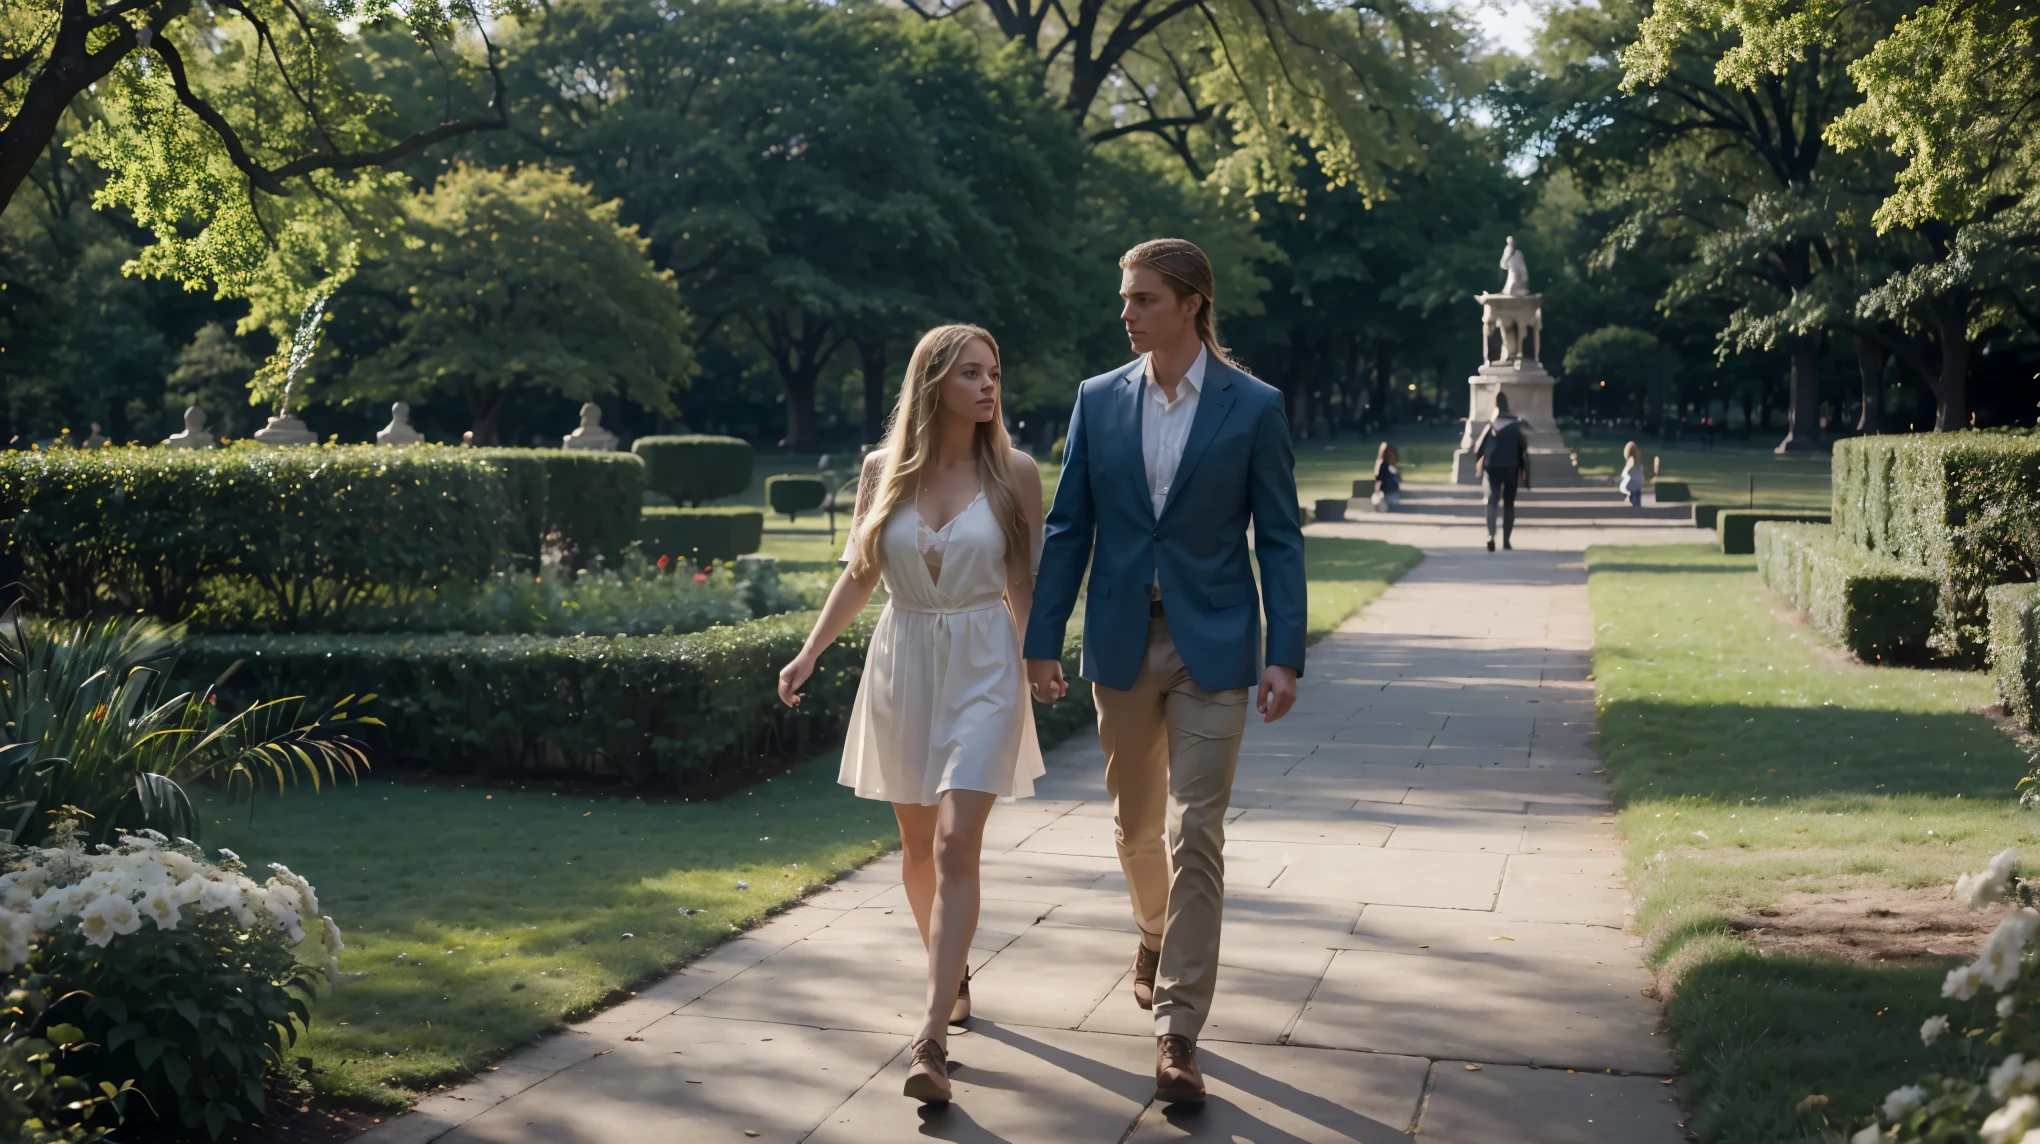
[
  {"x": 592, "y": 501},
  {"x": 1871, "y": 604},
  {"x": 695, "y": 468},
  {"x": 674, "y": 713},
  {"x": 790, "y": 493},
  {"x": 2015, "y": 649},
  {"x": 703, "y": 535},
  {"x": 1670, "y": 492},
  {"x": 1735, "y": 528},
  {"x": 1965, "y": 506},
  {"x": 286, "y": 537}
]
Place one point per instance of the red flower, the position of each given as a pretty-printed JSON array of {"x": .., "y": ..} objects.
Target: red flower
[
  {"x": 701, "y": 577},
  {"x": 663, "y": 561}
]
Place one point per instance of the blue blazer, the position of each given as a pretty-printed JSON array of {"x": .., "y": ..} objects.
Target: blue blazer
[{"x": 1236, "y": 465}]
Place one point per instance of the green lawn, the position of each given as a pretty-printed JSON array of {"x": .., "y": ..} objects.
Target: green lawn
[
  {"x": 1748, "y": 761},
  {"x": 1722, "y": 475},
  {"x": 476, "y": 919}
]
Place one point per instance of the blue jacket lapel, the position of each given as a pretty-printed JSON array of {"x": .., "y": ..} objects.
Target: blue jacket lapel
[
  {"x": 1127, "y": 401},
  {"x": 1212, "y": 406}
]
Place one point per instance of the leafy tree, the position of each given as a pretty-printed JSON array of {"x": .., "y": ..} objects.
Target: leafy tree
[
  {"x": 1640, "y": 366},
  {"x": 522, "y": 281}
]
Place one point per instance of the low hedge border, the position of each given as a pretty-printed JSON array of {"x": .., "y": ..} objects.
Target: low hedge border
[
  {"x": 703, "y": 535},
  {"x": 1670, "y": 492},
  {"x": 1964, "y": 505},
  {"x": 1706, "y": 512},
  {"x": 2015, "y": 650},
  {"x": 1735, "y": 528},
  {"x": 695, "y": 713},
  {"x": 1871, "y": 604}
]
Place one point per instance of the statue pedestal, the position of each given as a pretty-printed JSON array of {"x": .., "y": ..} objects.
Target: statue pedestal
[
  {"x": 1528, "y": 389},
  {"x": 286, "y": 430}
]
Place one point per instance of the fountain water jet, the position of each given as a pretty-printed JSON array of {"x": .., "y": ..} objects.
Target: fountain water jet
[{"x": 283, "y": 429}]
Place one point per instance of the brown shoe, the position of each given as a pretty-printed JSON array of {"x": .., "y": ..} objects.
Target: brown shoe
[
  {"x": 928, "y": 1076},
  {"x": 959, "y": 1010},
  {"x": 1145, "y": 961},
  {"x": 1177, "y": 1080}
]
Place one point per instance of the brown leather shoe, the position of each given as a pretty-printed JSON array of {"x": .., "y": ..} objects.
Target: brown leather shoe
[
  {"x": 1145, "y": 961},
  {"x": 959, "y": 1009},
  {"x": 1177, "y": 1080},
  {"x": 928, "y": 1076}
]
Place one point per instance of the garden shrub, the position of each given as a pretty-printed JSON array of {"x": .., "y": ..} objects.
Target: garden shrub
[
  {"x": 636, "y": 599},
  {"x": 1965, "y": 506},
  {"x": 592, "y": 501},
  {"x": 2015, "y": 649},
  {"x": 684, "y": 712},
  {"x": 524, "y": 487},
  {"x": 1735, "y": 528},
  {"x": 172, "y": 977},
  {"x": 695, "y": 468},
  {"x": 1670, "y": 492},
  {"x": 791, "y": 493},
  {"x": 702, "y": 535},
  {"x": 289, "y": 538},
  {"x": 1871, "y": 604}
]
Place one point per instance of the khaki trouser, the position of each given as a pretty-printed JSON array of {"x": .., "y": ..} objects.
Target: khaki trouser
[{"x": 1170, "y": 751}]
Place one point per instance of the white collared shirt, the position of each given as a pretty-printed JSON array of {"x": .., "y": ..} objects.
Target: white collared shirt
[{"x": 1165, "y": 427}]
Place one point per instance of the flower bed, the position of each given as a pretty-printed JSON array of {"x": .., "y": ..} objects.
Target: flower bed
[{"x": 154, "y": 980}]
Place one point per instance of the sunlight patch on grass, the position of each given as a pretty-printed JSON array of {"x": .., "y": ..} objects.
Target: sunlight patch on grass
[{"x": 1748, "y": 760}]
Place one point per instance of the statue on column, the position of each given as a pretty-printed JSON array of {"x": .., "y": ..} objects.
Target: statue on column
[
  {"x": 591, "y": 437},
  {"x": 1517, "y": 284}
]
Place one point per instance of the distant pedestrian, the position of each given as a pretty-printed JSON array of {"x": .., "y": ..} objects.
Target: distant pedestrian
[
  {"x": 1387, "y": 478},
  {"x": 1503, "y": 457},
  {"x": 1631, "y": 483}
]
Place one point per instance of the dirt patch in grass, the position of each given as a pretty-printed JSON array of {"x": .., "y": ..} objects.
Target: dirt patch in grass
[{"x": 1870, "y": 925}]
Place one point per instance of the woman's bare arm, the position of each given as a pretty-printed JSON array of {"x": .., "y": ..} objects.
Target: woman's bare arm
[
  {"x": 847, "y": 598},
  {"x": 1020, "y": 573}
]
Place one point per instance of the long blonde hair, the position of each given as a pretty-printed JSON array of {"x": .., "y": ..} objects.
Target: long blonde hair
[
  {"x": 1188, "y": 271},
  {"x": 894, "y": 478}
]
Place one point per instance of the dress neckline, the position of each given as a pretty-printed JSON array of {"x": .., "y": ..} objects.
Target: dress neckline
[{"x": 923, "y": 520}]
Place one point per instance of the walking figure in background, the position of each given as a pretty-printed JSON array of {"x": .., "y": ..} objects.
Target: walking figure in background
[
  {"x": 941, "y": 726},
  {"x": 1503, "y": 456},
  {"x": 1631, "y": 483},
  {"x": 1387, "y": 478}
]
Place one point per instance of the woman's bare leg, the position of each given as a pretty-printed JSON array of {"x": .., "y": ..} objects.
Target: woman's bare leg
[
  {"x": 959, "y": 843},
  {"x": 917, "y": 848}
]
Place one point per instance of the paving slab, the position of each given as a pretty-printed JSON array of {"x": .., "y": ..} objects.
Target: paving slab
[{"x": 1422, "y": 874}]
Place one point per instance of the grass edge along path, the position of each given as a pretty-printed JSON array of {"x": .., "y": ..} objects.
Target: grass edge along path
[
  {"x": 1749, "y": 760},
  {"x": 479, "y": 918}
]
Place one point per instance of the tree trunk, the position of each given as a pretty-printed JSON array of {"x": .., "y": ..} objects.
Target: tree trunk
[
  {"x": 1802, "y": 420},
  {"x": 69, "y": 70},
  {"x": 802, "y": 434},
  {"x": 1384, "y": 369},
  {"x": 1870, "y": 366},
  {"x": 485, "y": 409},
  {"x": 873, "y": 355},
  {"x": 1951, "y": 386}
]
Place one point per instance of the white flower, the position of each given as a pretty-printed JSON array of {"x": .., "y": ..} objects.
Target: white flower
[
  {"x": 1932, "y": 1028},
  {"x": 1981, "y": 889},
  {"x": 308, "y": 901},
  {"x": 2008, "y": 1124},
  {"x": 108, "y": 917},
  {"x": 161, "y": 906},
  {"x": 2005, "y": 1006},
  {"x": 218, "y": 894},
  {"x": 1998, "y": 965},
  {"x": 1870, "y": 1135},
  {"x": 280, "y": 903},
  {"x": 1961, "y": 983},
  {"x": 331, "y": 935},
  {"x": 1903, "y": 1100},
  {"x": 16, "y": 932},
  {"x": 2013, "y": 1075}
]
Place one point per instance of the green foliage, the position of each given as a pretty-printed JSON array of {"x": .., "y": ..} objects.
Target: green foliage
[
  {"x": 1871, "y": 604},
  {"x": 2014, "y": 611},
  {"x": 198, "y": 1018},
  {"x": 1672, "y": 492},
  {"x": 592, "y": 502},
  {"x": 1639, "y": 369},
  {"x": 633, "y": 599},
  {"x": 701, "y": 535},
  {"x": 42, "y": 1099},
  {"x": 671, "y": 713},
  {"x": 92, "y": 725},
  {"x": 526, "y": 487},
  {"x": 792, "y": 493},
  {"x": 1963, "y": 506},
  {"x": 489, "y": 307},
  {"x": 1735, "y": 528},
  {"x": 283, "y": 537},
  {"x": 1705, "y": 513},
  {"x": 696, "y": 468}
]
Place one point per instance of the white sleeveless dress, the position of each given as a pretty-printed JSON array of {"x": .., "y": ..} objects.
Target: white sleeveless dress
[{"x": 943, "y": 703}]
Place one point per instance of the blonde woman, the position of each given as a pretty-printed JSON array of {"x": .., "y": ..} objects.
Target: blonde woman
[
  {"x": 1631, "y": 483},
  {"x": 948, "y": 517}
]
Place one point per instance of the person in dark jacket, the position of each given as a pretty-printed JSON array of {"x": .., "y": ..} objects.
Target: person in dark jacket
[
  {"x": 1504, "y": 457},
  {"x": 1387, "y": 477}
]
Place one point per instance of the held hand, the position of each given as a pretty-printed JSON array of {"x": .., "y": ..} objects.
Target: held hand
[
  {"x": 1045, "y": 680},
  {"x": 792, "y": 676},
  {"x": 1277, "y": 693}
]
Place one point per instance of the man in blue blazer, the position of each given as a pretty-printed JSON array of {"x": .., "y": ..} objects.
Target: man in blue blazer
[{"x": 1165, "y": 462}]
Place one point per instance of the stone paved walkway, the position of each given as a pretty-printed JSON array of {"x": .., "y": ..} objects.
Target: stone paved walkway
[{"x": 1423, "y": 930}]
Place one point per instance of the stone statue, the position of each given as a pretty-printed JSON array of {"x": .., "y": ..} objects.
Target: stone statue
[
  {"x": 591, "y": 437},
  {"x": 399, "y": 431},
  {"x": 194, "y": 435},
  {"x": 1518, "y": 281}
]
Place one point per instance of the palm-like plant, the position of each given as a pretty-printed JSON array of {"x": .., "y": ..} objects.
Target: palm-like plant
[{"x": 91, "y": 733}]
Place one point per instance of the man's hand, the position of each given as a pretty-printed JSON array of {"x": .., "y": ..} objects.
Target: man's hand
[
  {"x": 1277, "y": 693},
  {"x": 1045, "y": 680}
]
